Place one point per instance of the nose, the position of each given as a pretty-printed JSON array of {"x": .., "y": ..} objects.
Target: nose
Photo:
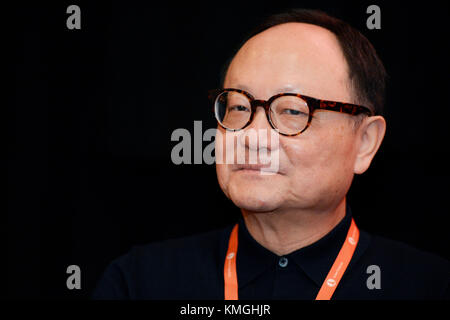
[{"x": 259, "y": 133}]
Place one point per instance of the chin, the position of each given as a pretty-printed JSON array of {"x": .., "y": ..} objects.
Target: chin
[
  {"x": 255, "y": 205},
  {"x": 256, "y": 198}
]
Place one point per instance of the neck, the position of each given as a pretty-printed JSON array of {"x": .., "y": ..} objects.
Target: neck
[{"x": 283, "y": 232}]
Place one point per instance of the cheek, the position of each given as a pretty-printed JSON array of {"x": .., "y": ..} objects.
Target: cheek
[
  {"x": 225, "y": 153},
  {"x": 223, "y": 176},
  {"x": 321, "y": 156}
]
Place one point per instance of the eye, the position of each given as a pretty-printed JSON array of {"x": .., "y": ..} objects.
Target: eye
[
  {"x": 238, "y": 108},
  {"x": 294, "y": 112}
]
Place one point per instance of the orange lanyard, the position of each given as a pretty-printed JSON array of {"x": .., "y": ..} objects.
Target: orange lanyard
[{"x": 329, "y": 285}]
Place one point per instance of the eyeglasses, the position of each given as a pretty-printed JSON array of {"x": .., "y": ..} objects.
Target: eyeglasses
[{"x": 288, "y": 113}]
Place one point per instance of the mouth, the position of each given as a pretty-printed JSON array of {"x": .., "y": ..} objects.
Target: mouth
[{"x": 256, "y": 168}]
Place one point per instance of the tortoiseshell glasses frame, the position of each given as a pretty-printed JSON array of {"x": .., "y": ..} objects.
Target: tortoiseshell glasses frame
[{"x": 313, "y": 104}]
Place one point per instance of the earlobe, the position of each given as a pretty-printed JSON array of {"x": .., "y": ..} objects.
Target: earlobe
[{"x": 371, "y": 135}]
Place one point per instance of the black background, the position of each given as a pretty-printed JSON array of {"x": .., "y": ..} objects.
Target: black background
[{"x": 89, "y": 166}]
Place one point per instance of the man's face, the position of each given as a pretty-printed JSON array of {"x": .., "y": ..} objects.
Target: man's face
[{"x": 316, "y": 167}]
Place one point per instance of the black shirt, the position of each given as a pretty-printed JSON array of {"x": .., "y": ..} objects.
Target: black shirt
[{"x": 192, "y": 268}]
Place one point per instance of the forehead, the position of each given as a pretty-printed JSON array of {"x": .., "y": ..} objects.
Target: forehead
[{"x": 304, "y": 57}]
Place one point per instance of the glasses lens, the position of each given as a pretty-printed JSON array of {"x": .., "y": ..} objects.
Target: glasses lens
[
  {"x": 289, "y": 114},
  {"x": 232, "y": 110}
]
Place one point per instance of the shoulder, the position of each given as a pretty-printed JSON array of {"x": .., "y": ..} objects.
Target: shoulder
[
  {"x": 408, "y": 269},
  {"x": 160, "y": 266},
  {"x": 164, "y": 253},
  {"x": 406, "y": 256}
]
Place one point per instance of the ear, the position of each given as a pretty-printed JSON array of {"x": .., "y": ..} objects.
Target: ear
[{"x": 371, "y": 134}]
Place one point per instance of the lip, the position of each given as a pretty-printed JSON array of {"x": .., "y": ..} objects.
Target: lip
[
  {"x": 255, "y": 168},
  {"x": 251, "y": 167}
]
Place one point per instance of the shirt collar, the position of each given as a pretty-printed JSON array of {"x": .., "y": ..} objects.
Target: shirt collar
[{"x": 314, "y": 260}]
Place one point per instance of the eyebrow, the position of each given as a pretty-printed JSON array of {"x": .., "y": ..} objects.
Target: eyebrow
[
  {"x": 284, "y": 89},
  {"x": 242, "y": 87}
]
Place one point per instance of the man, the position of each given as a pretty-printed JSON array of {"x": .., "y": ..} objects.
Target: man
[{"x": 319, "y": 85}]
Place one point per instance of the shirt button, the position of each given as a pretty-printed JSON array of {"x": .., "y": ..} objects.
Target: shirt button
[{"x": 283, "y": 262}]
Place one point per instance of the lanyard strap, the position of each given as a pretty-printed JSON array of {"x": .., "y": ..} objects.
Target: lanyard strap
[{"x": 331, "y": 281}]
